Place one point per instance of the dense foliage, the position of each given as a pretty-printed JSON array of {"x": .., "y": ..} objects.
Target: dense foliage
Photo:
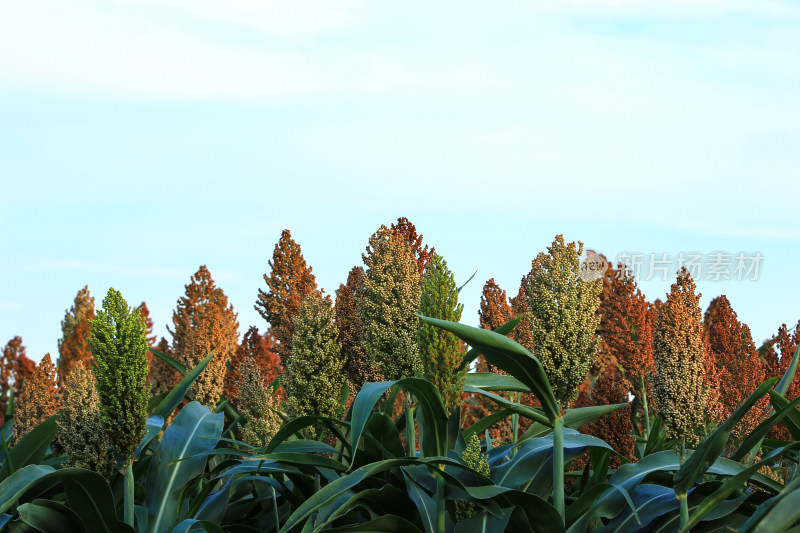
[{"x": 93, "y": 451}]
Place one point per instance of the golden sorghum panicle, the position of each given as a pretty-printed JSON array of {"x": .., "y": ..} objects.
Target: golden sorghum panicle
[
  {"x": 562, "y": 315},
  {"x": 80, "y": 423},
  {"x": 38, "y": 400},
  {"x": 615, "y": 428},
  {"x": 73, "y": 346},
  {"x": 679, "y": 355},
  {"x": 204, "y": 322},
  {"x": 776, "y": 357},
  {"x": 162, "y": 376},
  {"x": 494, "y": 312},
  {"x": 256, "y": 404},
  {"x": 389, "y": 300},
  {"x": 405, "y": 228},
  {"x": 626, "y": 328},
  {"x": 478, "y": 461},
  {"x": 351, "y": 333},
  {"x": 15, "y": 367},
  {"x": 441, "y": 351},
  {"x": 289, "y": 282},
  {"x": 738, "y": 366},
  {"x": 314, "y": 377},
  {"x": 259, "y": 348}
]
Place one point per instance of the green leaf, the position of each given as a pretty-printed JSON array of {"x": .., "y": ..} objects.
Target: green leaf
[
  {"x": 293, "y": 427},
  {"x": 585, "y": 501},
  {"x": 792, "y": 421},
  {"x": 509, "y": 356},
  {"x": 781, "y": 388},
  {"x": 32, "y": 448},
  {"x": 778, "y": 513},
  {"x": 540, "y": 513},
  {"x": 785, "y": 408},
  {"x": 304, "y": 446},
  {"x": 191, "y": 524},
  {"x": 195, "y": 431},
  {"x": 332, "y": 490},
  {"x": 788, "y": 377},
  {"x": 88, "y": 492},
  {"x": 15, "y": 485},
  {"x": 528, "y": 412},
  {"x": 465, "y": 283},
  {"x": 486, "y": 422},
  {"x": 46, "y": 515},
  {"x": 648, "y": 502},
  {"x": 383, "y": 524},
  {"x": 711, "y": 502},
  {"x": 535, "y": 455},
  {"x": 495, "y": 382},
  {"x": 484, "y": 523},
  {"x": 90, "y": 497},
  {"x": 154, "y": 425},
  {"x": 574, "y": 419},
  {"x": 426, "y": 507},
  {"x": 627, "y": 477},
  {"x": 433, "y": 422},
  {"x": 177, "y": 365},
  {"x": 711, "y": 448},
  {"x": 176, "y": 395},
  {"x": 473, "y": 352},
  {"x": 6, "y": 455}
]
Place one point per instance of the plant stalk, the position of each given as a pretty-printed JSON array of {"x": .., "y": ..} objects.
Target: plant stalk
[
  {"x": 128, "y": 494},
  {"x": 558, "y": 466},
  {"x": 646, "y": 411},
  {"x": 683, "y": 498},
  {"x": 411, "y": 436},
  {"x": 440, "y": 504},
  {"x": 514, "y": 424}
]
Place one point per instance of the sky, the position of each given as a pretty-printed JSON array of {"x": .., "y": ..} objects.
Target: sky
[{"x": 142, "y": 139}]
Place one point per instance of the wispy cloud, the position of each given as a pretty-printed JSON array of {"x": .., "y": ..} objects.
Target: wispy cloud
[
  {"x": 145, "y": 272},
  {"x": 10, "y": 306},
  {"x": 278, "y": 51}
]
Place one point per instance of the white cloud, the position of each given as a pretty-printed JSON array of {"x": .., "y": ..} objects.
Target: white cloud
[
  {"x": 152, "y": 272},
  {"x": 10, "y": 306},
  {"x": 294, "y": 51}
]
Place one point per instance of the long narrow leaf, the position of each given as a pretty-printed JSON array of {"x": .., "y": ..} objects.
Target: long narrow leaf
[
  {"x": 785, "y": 408},
  {"x": 178, "y": 392},
  {"x": 31, "y": 448},
  {"x": 509, "y": 356},
  {"x": 712, "y": 447},
  {"x": 712, "y": 501},
  {"x": 473, "y": 353},
  {"x": 194, "y": 431},
  {"x": 174, "y": 363}
]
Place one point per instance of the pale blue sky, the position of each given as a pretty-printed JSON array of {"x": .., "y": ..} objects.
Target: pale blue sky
[{"x": 139, "y": 140}]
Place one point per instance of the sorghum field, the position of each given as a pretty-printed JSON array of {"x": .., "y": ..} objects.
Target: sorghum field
[{"x": 576, "y": 406}]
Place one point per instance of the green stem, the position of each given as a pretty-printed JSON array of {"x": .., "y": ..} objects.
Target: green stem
[
  {"x": 514, "y": 423},
  {"x": 411, "y": 436},
  {"x": 275, "y": 509},
  {"x": 7, "y": 455},
  {"x": 440, "y": 504},
  {"x": 646, "y": 411},
  {"x": 128, "y": 495},
  {"x": 558, "y": 466},
  {"x": 683, "y": 498}
]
